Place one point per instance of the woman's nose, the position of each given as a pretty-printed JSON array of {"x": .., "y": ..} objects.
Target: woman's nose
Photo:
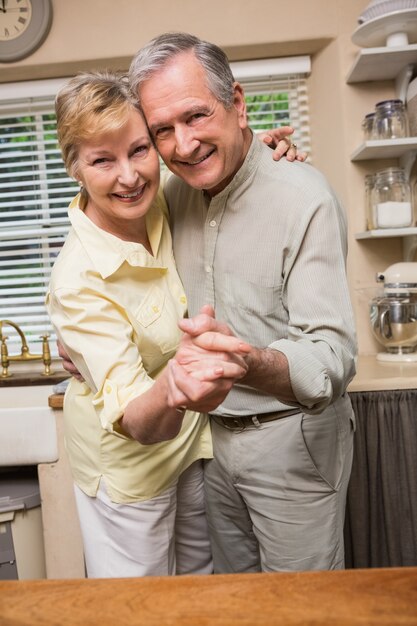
[{"x": 128, "y": 175}]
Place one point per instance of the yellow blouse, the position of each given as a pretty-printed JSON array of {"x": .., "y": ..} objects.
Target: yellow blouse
[{"x": 115, "y": 308}]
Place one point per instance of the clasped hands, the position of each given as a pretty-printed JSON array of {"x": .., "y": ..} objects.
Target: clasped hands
[{"x": 209, "y": 360}]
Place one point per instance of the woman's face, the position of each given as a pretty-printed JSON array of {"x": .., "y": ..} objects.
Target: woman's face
[{"x": 120, "y": 172}]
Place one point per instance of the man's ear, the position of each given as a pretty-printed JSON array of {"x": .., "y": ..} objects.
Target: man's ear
[{"x": 239, "y": 103}]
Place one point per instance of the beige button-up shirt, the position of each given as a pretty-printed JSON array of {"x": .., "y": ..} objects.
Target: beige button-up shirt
[{"x": 269, "y": 252}]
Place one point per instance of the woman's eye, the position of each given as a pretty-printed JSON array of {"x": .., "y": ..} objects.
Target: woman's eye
[
  {"x": 141, "y": 149},
  {"x": 100, "y": 161}
]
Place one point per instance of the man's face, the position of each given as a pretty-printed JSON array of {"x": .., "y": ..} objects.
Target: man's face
[{"x": 199, "y": 140}]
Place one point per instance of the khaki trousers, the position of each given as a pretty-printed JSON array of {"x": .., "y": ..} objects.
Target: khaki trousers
[{"x": 276, "y": 492}]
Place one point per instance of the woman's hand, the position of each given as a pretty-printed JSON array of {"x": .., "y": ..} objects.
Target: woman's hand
[{"x": 67, "y": 364}]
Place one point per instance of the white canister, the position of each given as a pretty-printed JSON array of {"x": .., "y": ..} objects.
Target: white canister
[{"x": 392, "y": 199}]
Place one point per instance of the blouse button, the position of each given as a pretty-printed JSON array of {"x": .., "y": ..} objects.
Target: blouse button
[
  {"x": 155, "y": 309},
  {"x": 213, "y": 223},
  {"x": 183, "y": 299},
  {"x": 108, "y": 389}
]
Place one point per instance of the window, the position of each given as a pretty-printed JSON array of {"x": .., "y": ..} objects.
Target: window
[
  {"x": 35, "y": 189},
  {"x": 276, "y": 95},
  {"x": 34, "y": 194}
]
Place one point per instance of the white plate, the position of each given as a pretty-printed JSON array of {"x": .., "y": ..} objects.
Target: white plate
[
  {"x": 374, "y": 33},
  {"x": 385, "y": 7}
]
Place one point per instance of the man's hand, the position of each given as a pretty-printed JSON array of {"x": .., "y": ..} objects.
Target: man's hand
[
  {"x": 67, "y": 364},
  {"x": 207, "y": 364},
  {"x": 280, "y": 141},
  {"x": 267, "y": 369},
  {"x": 216, "y": 347}
]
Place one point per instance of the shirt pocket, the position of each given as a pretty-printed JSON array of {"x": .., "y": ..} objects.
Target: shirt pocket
[
  {"x": 156, "y": 323},
  {"x": 260, "y": 299},
  {"x": 255, "y": 310}
]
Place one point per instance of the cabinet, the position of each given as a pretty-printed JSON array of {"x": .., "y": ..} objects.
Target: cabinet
[
  {"x": 385, "y": 63},
  {"x": 381, "y": 508}
]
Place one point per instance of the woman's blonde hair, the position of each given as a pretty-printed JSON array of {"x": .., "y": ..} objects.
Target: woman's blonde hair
[{"x": 91, "y": 103}]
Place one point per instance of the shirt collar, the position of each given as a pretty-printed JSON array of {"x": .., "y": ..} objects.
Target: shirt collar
[{"x": 106, "y": 251}]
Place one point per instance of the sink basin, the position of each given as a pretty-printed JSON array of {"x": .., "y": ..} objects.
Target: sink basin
[{"x": 28, "y": 435}]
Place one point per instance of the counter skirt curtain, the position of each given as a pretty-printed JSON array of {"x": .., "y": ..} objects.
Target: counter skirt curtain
[{"x": 381, "y": 512}]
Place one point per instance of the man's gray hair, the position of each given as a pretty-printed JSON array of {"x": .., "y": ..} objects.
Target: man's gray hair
[{"x": 160, "y": 50}]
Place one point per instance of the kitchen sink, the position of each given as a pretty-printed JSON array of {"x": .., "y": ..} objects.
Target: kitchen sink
[{"x": 27, "y": 431}]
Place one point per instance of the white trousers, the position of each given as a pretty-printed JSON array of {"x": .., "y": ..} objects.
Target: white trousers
[{"x": 162, "y": 536}]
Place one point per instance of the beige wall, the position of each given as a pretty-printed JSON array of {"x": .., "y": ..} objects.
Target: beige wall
[{"x": 100, "y": 33}]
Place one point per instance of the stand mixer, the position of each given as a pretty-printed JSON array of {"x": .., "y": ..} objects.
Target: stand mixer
[{"x": 394, "y": 315}]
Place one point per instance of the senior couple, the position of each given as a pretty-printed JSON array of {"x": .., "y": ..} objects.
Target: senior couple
[{"x": 253, "y": 383}]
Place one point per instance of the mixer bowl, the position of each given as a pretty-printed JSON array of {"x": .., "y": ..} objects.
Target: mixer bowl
[{"x": 394, "y": 323}]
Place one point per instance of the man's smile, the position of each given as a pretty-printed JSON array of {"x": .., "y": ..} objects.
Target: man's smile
[{"x": 197, "y": 161}]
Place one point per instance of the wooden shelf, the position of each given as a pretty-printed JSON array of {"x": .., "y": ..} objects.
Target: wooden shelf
[
  {"x": 384, "y": 149},
  {"x": 383, "y": 63},
  {"x": 409, "y": 237},
  {"x": 380, "y": 233}
]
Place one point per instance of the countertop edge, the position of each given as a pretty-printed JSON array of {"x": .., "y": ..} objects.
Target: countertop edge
[{"x": 372, "y": 375}]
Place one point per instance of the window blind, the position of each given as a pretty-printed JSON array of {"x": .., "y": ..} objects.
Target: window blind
[
  {"x": 276, "y": 95},
  {"x": 35, "y": 190},
  {"x": 34, "y": 194}
]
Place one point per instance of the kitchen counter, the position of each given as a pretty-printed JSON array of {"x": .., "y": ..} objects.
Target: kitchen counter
[
  {"x": 373, "y": 375},
  {"x": 373, "y": 597},
  {"x": 33, "y": 379}
]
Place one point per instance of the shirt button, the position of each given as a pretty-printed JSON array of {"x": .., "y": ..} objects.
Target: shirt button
[
  {"x": 155, "y": 309},
  {"x": 213, "y": 223},
  {"x": 208, "y": 269},
  {"x": 183, "y": 299}
]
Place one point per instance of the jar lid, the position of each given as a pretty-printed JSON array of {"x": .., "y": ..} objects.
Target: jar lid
[
  {"x": 388, "y": 103},
  {"x": 390, "y": 170},
  {"x": 391, "y": 176}
]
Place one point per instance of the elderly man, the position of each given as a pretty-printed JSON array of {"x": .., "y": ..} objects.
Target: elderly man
[{"x": 264, "y": 244}]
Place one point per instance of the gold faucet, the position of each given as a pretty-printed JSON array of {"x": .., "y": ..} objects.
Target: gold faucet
[{"x": 24, "y": 355}]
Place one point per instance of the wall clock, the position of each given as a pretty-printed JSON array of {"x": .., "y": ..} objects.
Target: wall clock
[{"x": 24, "y": 25}]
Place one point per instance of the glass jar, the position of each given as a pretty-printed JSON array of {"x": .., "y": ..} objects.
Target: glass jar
[
  {"x": 368, "y": 125},
  {"x": 369, "y": 204},
  {"x": 392, "y": 199},
  {"x": 391, "y": 120}
]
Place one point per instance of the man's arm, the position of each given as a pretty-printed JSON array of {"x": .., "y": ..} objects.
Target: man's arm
[{"x": 267, "y": 370}]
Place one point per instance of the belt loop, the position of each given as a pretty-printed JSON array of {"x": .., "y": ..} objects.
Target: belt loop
[{"x": 255, "y": 421}]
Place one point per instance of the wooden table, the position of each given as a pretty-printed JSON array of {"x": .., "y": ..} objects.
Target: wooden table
[{"x": 383, "y": 597}]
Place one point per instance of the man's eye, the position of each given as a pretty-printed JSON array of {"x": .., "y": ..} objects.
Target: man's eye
[{"x": 160, "y": 132}]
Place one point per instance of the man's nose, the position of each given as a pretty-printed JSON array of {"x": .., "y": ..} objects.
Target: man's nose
[{"x": 185, "y": 141}]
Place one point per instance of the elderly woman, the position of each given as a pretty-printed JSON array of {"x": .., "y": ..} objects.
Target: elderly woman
[{"x": 115, "y": 299}]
